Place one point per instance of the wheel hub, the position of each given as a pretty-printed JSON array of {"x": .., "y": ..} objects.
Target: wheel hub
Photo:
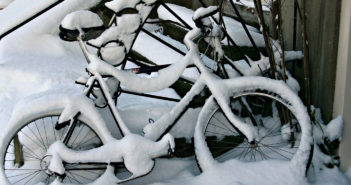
[{"x": 44, "y": 164}]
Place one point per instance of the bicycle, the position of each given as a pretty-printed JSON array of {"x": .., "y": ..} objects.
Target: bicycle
[{"x": 57, "y": 159}]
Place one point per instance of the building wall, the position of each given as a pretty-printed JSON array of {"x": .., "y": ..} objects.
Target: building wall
[
  {"x": 342, "y": 101},
  {"x": 322, "y": 26}
]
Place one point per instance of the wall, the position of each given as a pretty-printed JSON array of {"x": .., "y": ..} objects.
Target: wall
[
  {"x": 342, "y": 101},
  {"x": 322, "y": 32}
]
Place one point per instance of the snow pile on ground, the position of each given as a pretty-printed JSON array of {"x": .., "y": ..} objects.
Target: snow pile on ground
[
  {"x": 348, "y": 174},
  {"x": 34, "y": 60}
]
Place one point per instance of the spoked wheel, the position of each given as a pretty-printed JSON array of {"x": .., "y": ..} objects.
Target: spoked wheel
[
  {"x": 278, "y": 138},
  {"x": 23, "y": 159},
  {"x": 282, "y": 123}
]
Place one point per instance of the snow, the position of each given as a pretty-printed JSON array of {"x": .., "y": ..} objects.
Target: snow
[
  {"x": 251, "y": 4},
  {"x": 235, "y": 29},
  {"x": 164, "y": 79},
  {"x": 157, "y": 53},
  {"x": 10, "y": 16},
  {"x": 113, "y": 53},
  {"x": 122, "y": 33},
  {"x": 34, "y": 63},
  {"x": 135, "y": 151},
  {"x": 117, "y": 6},
  {"x": 335, "y": 129},
  {"x": 4, "y": 3},
  {"x": 348, "y": 174},
  {"x": 81, "y": 19},
  {"x": 331, "y": 176},
  {"x": 201, "y": 12},
  {"x": 185, "y": 13}
]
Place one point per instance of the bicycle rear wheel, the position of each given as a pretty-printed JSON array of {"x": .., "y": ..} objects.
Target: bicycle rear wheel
[{"x": 25, "y": 146}]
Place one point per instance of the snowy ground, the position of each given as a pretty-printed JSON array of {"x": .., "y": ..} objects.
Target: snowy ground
[{"x": 33, "y": 60}]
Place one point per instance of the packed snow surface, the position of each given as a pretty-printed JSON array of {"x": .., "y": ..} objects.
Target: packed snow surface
[{"x": 34, "y": 62}]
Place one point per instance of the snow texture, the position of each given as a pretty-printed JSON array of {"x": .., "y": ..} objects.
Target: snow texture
[
  {"x": 250, "y": 3},
  {"x": 81, "y": 19},
  {"x": 135, "y": 151},
  {"x": 235, "y": 29},
  {"x": 165, "y": 78},
  {"x": 121, "y": 33},
  {"x": 4, "y": 3},
  {"x": 335, "y": 129},
  {"x": 28, "y": 66},
  {"x": 10, "y": 16},
  {"x": 202, "y": 12},
  {"x": 117, "y": 6},
  {"x": 348, "y": 174}
]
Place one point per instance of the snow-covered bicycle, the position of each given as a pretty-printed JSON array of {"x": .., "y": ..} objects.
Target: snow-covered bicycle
[{"x": 64, "y": 138}]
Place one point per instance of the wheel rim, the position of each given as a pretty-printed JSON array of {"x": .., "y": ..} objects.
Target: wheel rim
[
  {"x": 23, "y": 165},
  {"x": 275, "y": 140}
]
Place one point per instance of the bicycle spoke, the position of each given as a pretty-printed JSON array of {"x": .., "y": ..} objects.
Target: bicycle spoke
[
  {"x": 73, "y": 177},
  {"x": 27, "y": 156},
  {"x": 53, "y": 128},
  {"x": 225, "y": 124},
  {"x": 33, "y": 140},
  {"x": 278, "y": 153},
  {"x": 81, "y": 176},
  {"x": 219, "y": 127},
  {"x": 86, "y": 135},
  {"x": 25, "y": 177},
  {"x": 37, "y": 136},
  {"x": 34, "y": 134},
  {"x": 32, "y": 178},
  {"x": 40, "y": 135},
  {"x": 46, "y": 135},
  {"x": 22, "y": 174}
]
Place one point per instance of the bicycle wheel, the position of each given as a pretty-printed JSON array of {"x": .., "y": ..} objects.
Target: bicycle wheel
[
  {"x": 25, "y": 146},
  {"x": 278, "y": 139}
]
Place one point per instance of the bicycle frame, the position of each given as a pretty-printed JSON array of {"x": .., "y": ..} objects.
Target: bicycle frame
[{"x": 156, "y": 130}]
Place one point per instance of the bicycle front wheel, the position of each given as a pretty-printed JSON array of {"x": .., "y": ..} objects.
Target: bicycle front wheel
[
  {"x": 284, "y": 133},
  {"x": 25, "y": 146}
]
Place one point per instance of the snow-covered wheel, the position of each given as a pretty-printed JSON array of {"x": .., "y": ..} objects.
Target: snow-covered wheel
[
  {"x": 24, "y": 146},
  {"x": 217, "y": 140}
]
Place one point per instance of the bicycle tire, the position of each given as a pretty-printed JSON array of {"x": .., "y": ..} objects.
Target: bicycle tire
[
  {"x": 35, "y": 134},
  {"x": 212, "y": 147}
]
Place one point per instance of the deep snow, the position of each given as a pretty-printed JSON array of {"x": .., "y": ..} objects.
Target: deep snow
[{"x": 34, "y": 60}]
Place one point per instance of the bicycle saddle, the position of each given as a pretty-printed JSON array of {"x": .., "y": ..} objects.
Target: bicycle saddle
[{"x": 83, "y": 21}]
